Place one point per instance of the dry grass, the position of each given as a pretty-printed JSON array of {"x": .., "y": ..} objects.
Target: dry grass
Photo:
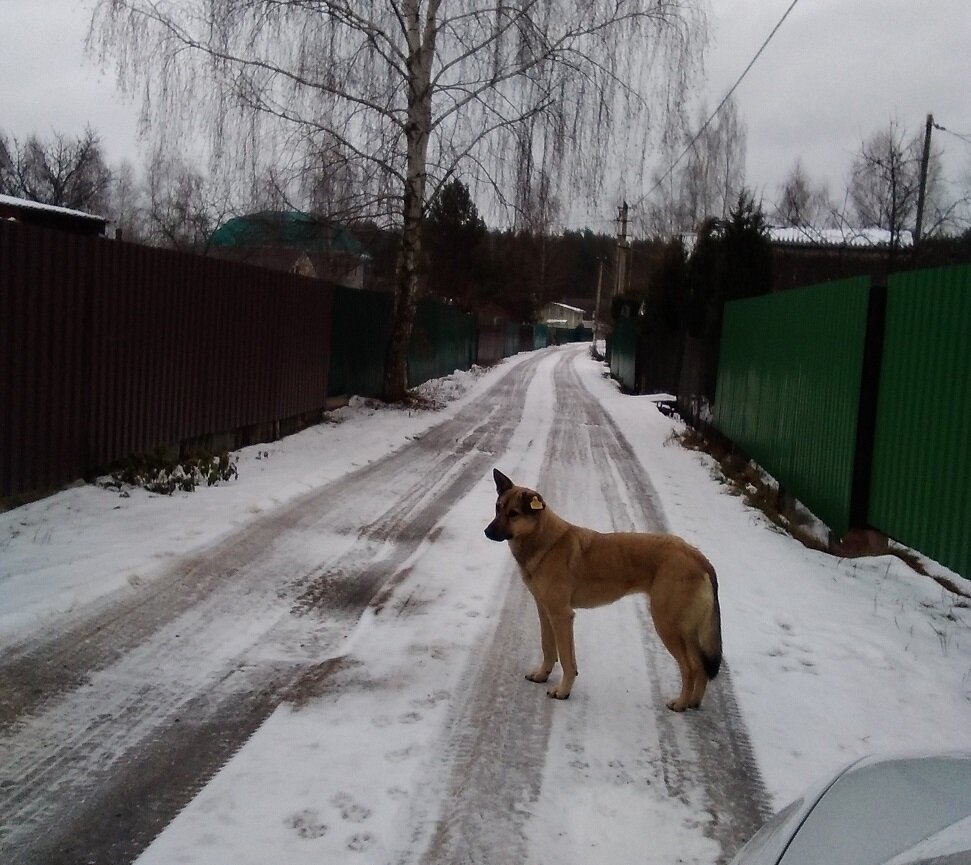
[
  {"x": 762, "y": 492},
  {"x": 756, "y": 489}
]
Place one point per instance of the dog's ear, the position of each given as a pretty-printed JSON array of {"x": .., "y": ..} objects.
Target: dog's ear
[
  {"x": 502, "y": 482},
  {"x": 533, "y": 501}
]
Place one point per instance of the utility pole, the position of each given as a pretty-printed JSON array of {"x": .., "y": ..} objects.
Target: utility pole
[
  {"x": 596, "y": 311},
  {"x": 622, "y": 246},
  {"x": 922, "y": 187}
]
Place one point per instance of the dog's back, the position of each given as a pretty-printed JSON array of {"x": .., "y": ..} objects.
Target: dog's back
[{"x": 678, "y": 578}]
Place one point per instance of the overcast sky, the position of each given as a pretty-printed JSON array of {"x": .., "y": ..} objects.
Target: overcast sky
[{"x": 837, "y": 71}]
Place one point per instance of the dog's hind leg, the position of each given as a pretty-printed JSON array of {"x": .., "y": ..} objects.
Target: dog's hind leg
[
  {"x": 693, "y": 678},
  {"x": 548, "y": 642},
  {"x": 698, "y": 688}
]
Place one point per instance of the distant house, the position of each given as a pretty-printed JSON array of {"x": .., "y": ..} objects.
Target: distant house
[
  {"x": 48, "y": 216},
  {"x": 563, "y": 315},
  {"x": 295, "y": 242}
]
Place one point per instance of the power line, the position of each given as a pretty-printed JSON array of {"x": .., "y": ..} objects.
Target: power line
[
  {"x": 965, "y": 138},
  {"x": 721, "y": 104}
]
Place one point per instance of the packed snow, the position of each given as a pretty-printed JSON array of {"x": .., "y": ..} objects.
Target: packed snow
[{"x": 831, "y": 658}]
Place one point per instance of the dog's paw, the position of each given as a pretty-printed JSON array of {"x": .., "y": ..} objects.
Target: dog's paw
[
  {"x": 538, "y": 676},
  {"x": 557, "y": 694},
  {"x": 679, "y": 706}
]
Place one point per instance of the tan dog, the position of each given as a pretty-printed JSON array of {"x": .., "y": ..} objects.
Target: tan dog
[{"x": 567, "y": 567}]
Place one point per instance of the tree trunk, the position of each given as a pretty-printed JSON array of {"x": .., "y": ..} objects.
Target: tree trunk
[{"x": 421, "y": 51}]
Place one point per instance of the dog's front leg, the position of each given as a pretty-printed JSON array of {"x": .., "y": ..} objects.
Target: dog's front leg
[
  {"x": 562, "y": 624},
  {"x": 548, "y": 642}
]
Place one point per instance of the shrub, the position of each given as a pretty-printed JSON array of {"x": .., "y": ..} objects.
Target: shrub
[{"x": 161, "y": 472}]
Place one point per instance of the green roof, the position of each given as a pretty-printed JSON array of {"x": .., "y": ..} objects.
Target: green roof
[{"x": 289, "y": 228}]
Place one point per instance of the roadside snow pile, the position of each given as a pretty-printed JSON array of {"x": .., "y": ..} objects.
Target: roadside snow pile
[{"x": 439, "y": 391}]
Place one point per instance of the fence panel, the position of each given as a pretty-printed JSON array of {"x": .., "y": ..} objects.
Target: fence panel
[
  {"x": 788, "y": 390},
  {"x": 491, "y": 344},
  {"x": 182, "y": 347},
  {"x": 443, "y": 341},
  {"x": 42, "y": 400},
  {"x": 623, "y": 353},
  {"x": 109, "y": 348},
  {"x": 362, "y": 327},
  {"x": 920, "y": 488},
  {"x": 512, "y": 339},
  {"x": 541, "y": 336}
]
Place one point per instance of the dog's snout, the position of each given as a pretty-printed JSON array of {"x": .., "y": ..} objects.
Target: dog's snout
[{"x": 493, "y": 534}]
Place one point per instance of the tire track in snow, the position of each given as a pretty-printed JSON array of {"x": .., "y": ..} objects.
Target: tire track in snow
[
  {"x": 491, "y": 769},
  {"x": 140, "y": 704},
  {"x": 496, "y": 758},
  {"x": 709, "y": 749}
]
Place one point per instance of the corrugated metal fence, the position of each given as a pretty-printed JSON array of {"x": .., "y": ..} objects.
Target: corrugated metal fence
[
  {"x": 444, "y": 340},
  {"x": 788, "y": 392},
  {"x": 110, "y": 348},
  {"x": 362, "y": 325},
  {"x": 797, "y": 391},
  {"x": 623, "y": 352},
  {"x": 920, "y": 491}
]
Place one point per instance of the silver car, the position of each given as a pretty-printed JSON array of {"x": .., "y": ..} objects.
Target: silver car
[{"x": 896, "y": 811}]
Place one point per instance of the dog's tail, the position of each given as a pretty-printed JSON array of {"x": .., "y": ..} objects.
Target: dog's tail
[{"x": 710, "y": 638}]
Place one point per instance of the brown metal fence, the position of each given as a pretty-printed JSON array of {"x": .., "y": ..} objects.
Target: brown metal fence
[{"x": 109, "y": 349}]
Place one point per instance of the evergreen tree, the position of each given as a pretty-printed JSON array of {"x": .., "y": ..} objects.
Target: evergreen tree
[{"x": 454, "y": 236}]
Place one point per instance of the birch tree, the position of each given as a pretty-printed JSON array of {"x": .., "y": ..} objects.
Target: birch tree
[
  {"x": 709, "y": 180},
  {"x": 804, "y": 204},
  {"x": 405, "y": 93},
  {"x": 884, "y": 180}
]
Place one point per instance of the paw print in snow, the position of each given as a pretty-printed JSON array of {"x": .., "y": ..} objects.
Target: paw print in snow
[
  {"x": 360, "y": 842},
  {"x": 351, "y": 811},
  {"x": 307, "y": 824}
]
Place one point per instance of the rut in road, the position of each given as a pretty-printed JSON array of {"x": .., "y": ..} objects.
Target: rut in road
[
  {"x": 497, "y": 755},
  {"x": 108, "y": 726}
]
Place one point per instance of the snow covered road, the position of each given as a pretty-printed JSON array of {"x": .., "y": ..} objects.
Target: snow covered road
[{"x": 323, "y": 661}]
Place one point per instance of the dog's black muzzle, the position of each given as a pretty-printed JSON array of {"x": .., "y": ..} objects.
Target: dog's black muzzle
[{"x": 493, "y": 533}]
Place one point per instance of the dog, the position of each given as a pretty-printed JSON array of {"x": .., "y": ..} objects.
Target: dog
[{"x": 566, "y": 567}]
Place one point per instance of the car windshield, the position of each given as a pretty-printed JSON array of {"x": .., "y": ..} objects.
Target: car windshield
[{"x": 876, "y": 813}]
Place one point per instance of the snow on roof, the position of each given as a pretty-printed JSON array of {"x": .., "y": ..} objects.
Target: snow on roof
[
  {"x": 566, "y": 306},
  {"x": 27, "y": 204},
  {"x": 806, "y": 235}
]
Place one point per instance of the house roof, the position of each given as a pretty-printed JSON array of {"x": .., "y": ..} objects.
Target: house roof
[
  {"x": 50, "y": 215},
  {"x": 273, "y": 228},
  {"x": 805, "y": 235},
  {"x": 567, "y": 306}
]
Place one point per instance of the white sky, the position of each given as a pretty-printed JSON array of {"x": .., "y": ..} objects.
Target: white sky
[{"x": 837, "y": 71}]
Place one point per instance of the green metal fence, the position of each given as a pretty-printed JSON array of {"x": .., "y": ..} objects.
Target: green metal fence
[
  {"x": 623, "y": 353},
  {"x": 361, "y": 328},
  {"x": 920, "y": 489},
  {"x": 541, "y": 336},
  {"x": 443, "y": 340},
  {"x": 788, "y": 390}
]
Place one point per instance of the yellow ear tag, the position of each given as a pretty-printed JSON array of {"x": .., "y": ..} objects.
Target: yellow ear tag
[{"x": 536, "y": 504}]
